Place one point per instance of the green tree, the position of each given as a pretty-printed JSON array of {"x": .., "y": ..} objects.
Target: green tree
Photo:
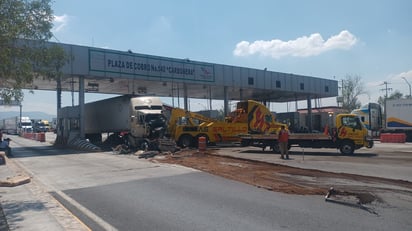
[
  {"x": 25, "y": 26},
  {"x": 352, "y": 88}
]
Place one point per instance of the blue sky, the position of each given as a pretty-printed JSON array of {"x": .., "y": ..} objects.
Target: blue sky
[{"x": 327, "y": 39}]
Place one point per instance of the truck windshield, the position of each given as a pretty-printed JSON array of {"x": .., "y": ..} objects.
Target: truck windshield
[
  {"x": 352, "y": 122},
  {"x": 155, "y": 120}
]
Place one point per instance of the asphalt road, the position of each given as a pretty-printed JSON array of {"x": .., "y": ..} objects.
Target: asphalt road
[
  {"x": 123, "y": 192},
  {"x": 385, "y": 160}
]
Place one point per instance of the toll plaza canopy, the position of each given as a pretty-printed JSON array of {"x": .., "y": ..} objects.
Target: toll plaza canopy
[{"x": 125, "y": 72}]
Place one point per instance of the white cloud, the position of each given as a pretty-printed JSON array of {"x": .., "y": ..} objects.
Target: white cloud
[
  {"x": 60, "y": 22},
  {"x": 406, "y": 74},
  {"x": 301, "y": 47}
]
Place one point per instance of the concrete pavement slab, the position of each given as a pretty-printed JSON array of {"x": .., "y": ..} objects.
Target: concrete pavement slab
[{"x": 25, "y": 206}]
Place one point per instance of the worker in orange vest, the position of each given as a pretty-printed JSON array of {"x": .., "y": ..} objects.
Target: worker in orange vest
[{"x": 283, "y": 142}]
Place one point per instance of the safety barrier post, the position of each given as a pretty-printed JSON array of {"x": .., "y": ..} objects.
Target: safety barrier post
[
  {"x": 202, "y": 144},
  {"x": 41, "y": 137}
]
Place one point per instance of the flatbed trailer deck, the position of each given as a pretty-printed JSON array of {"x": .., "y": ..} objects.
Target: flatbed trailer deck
[{"x": 304, "y": 140}]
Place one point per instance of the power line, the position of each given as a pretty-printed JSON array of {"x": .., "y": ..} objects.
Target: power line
[{"x": 386, "y": 89}]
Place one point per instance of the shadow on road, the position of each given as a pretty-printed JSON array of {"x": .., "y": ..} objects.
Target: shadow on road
[
  {"x": 22, "y": 152},
  {"x": 311, "y": 153}
]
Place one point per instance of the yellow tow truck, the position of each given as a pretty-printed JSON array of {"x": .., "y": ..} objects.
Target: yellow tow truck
[
  {"x": 186, "y": 127},
  {"x": 347, "y": 135}
]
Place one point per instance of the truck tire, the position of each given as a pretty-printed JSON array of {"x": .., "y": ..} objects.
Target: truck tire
[
  {"x": 370, "y": 144},
  {"x": 347, "y": 148},
  {"x": 186, "y": 141}
]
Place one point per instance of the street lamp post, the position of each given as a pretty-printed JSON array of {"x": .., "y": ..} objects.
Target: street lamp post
[{"x": 410, "y": 96}]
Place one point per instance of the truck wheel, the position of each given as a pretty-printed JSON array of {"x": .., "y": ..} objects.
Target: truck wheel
[
  {"x": 347, "y": 148},
  {"x": 186, "y": 141},
  {"x": 370, "y": 144}
]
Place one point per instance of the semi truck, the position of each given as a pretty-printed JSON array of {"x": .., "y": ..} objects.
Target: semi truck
[
  {"x": 346, "y": 133},
  {"x": 396, "y": 119},
  {"x": 136, "y": 120},
  {"x": 186, "y": 127},
  {"x": 14, "y": 125},
  {"x": 371, "y": 116}
]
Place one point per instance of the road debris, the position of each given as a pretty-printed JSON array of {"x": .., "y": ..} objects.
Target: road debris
[
  {"x": 148, "y": 154},
  {"x": 360, "y": 200},
  {"x": 15, "y": 181}
]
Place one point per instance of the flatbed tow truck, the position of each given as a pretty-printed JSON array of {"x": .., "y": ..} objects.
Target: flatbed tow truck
[{"x": 347, "y": 135}]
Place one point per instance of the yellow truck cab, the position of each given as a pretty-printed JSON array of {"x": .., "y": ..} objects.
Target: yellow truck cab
[{"x": 352, "y": 133}]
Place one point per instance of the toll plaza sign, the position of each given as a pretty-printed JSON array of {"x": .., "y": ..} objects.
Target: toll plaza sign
[{"x": 149, "y": 66}]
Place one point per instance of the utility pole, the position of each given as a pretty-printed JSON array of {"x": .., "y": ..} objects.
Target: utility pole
[
  {"x": 339, "y": 99},
  {"x": 386, "y": 89}
]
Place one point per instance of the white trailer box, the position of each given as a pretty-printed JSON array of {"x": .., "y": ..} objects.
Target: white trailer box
[
  {"x": 109, "y": 115},
  {"x": 10, "y": 125},
  {"x": 399, "y": 117},
  {"x": 399, "y": 114},
  {"x": 115, "y": 114}
]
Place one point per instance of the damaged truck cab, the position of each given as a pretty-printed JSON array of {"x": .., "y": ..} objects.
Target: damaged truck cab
[{"x": 147, "y": 121}]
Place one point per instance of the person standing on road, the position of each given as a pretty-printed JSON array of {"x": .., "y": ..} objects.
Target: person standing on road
[{"x": 283, "y": 139}]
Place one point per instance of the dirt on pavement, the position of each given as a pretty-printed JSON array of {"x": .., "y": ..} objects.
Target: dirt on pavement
[{"x": 286, "y": 179}]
